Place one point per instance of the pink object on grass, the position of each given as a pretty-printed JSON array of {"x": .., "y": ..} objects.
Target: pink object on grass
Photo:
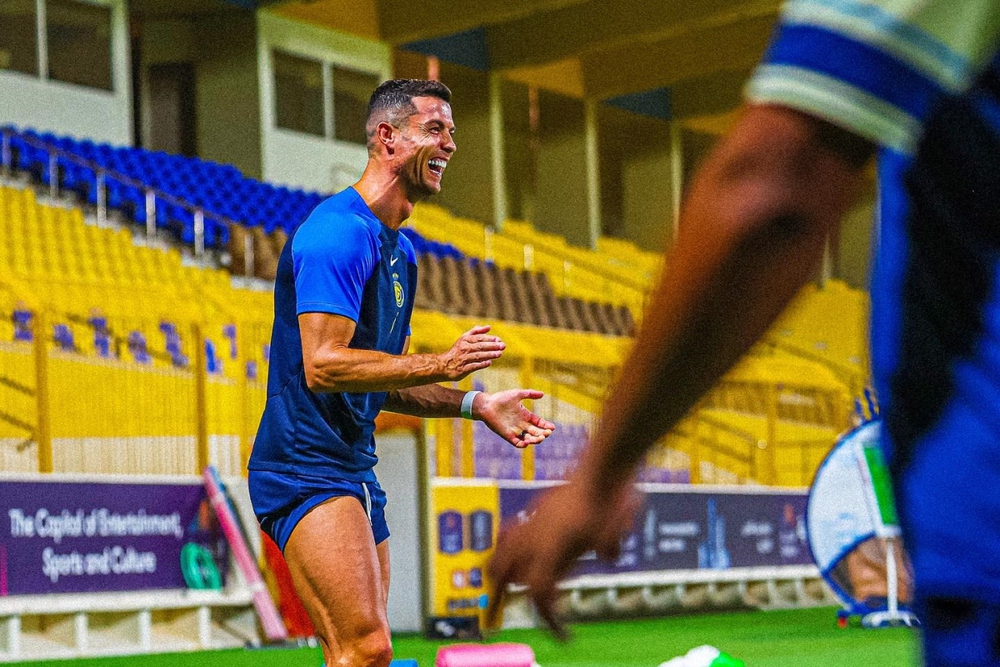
[{"x": 485, "y": 655}]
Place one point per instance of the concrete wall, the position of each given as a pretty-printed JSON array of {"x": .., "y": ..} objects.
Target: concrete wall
[
  {"x": 297, "y": 159},
  {"x": 647, "y": 201},
  {"x": 400, "y": 475},
  {"x": 222, "y": 48},
  {"x": 228, "y": 107},
  {"x": 53, "y": 106},
  {"x": 467, "y": 189},
  {"x": 636, "y": 177},
  {"x": 561, "y": 194},
  {"x": 852, "y": 260}
]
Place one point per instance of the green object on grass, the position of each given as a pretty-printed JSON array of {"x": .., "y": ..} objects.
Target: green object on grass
[{"x": 726, "y": 660}]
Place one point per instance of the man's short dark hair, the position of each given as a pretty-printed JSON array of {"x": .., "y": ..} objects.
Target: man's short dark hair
[{"x": 392, "y": 101}]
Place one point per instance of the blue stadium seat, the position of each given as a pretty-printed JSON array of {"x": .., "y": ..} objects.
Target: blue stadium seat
[
  {"x": 138, "y": 349},
  {"x": 218, "y": 189},
  {"x": 63, "y": 337}
]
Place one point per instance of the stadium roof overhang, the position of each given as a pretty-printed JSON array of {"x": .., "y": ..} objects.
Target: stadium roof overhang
[
  {"x": 160, "y": 9},
  {"x": 700, "y": 51}
]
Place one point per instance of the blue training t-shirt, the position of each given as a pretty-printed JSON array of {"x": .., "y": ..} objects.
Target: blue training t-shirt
[{"x": 342, "y": 260}]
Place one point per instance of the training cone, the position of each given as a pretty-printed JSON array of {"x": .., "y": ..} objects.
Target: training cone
[
  {"x": 704, "y": 656},
  {"x": 485, "y": 655}
]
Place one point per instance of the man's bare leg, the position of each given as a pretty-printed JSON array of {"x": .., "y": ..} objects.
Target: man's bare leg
[
  {"x": 383, "y": 559},
  {"x": 342, "y": 578}
]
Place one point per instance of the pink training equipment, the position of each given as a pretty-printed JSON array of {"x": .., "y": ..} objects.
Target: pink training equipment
[
  {"x": 270, "y": 619},
  {"x": 485, "y": 655}
]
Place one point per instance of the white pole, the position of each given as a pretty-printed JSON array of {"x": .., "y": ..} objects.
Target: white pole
[
  {"x": 499, "y": 166},
  {"x": 150, "y": 214},
  {"x": 199, "y": 232},
  {"x": 890, "y": 569},
  {"x": 102, "y": 199},
  {"x": 53, "y": 174}
]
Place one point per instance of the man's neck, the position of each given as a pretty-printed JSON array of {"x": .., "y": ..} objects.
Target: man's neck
[{"x": 386, "y": 195}]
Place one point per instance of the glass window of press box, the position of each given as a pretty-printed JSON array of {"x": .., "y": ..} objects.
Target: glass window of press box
[
  {"x": 320, "y": 99},
  {"x": 74, "y": 36},
  {"x": 79, "y": 43},
  {"x": 19, "y": 36},
  {"x": 351, "y": 90},
  {"x": 298, "y": 93}
]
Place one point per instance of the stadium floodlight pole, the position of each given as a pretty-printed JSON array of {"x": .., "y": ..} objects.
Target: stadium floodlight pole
[{"x": 199, "y": 232}]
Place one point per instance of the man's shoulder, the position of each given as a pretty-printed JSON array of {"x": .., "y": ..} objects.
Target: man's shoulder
[
  {"x": 337, "y": 220},
  {"x": 346, "y": 207}
]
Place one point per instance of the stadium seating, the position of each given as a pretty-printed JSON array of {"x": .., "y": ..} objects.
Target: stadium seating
[
  {"x": 237, "y": 206},
  {"x": 623, "y": 278},
  {"x": 112, "y": 295},
  {"x": 221, "y": 191},
  {"x": 110, "y": 298}
]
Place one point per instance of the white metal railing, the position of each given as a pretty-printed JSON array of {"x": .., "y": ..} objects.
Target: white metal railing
[{"x": 101, "y": 175}]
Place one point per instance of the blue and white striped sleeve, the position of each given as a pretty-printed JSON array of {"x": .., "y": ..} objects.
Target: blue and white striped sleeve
[{"x": 876, "y": 68}]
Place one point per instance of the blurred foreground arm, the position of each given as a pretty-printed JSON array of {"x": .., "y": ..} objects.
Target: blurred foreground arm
[{"x": 752, "y": 232}]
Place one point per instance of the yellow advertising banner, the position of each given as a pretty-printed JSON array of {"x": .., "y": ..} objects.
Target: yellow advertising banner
[{"x": 464, "y": 521}]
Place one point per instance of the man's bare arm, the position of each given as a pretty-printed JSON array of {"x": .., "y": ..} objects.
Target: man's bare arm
[
  {"x": 332, "y": 366},
  {"x": 429, "y": 401}
]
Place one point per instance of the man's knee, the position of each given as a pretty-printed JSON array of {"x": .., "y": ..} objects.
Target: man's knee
[{"x": 371, "y": 650}]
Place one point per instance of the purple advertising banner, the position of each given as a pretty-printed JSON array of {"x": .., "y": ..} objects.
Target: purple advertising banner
[
  {"x": 73, "y": 537},
  {"x": 686, "y": 530}
]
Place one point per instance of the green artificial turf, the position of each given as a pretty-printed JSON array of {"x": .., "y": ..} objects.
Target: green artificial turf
[{"x": 787, "y": 638}]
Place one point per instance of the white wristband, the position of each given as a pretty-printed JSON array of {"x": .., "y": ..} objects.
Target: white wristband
[{"x": 467, "y": 400}]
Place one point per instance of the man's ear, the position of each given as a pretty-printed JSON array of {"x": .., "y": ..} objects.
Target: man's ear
[{"x": 386, "y": 135}]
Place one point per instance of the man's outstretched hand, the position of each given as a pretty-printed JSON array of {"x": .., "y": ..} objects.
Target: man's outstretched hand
[
  {"x": 474, "y": 350},
  {"x": 567, "y": 521},
  {"x": 506, "y": 416}
]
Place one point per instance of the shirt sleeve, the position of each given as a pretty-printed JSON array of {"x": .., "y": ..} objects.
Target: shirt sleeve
[
  {"x": 875, "y": 67},
  {"x": 332, "y": 259}
]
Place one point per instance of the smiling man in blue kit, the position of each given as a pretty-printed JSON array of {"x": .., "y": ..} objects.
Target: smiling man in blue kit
[{"x": 343, "y": 298}]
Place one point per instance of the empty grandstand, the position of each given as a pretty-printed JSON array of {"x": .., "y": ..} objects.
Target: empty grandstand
[
  {"x": 144, "y": 206},
  {"x": 145, "y": 209}
]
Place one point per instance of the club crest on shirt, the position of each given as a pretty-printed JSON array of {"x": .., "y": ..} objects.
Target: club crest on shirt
[{"x": 397, "y": 289}]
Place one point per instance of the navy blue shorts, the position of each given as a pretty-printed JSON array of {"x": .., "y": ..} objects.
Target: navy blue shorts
[{"x": 280, "y": 500}]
